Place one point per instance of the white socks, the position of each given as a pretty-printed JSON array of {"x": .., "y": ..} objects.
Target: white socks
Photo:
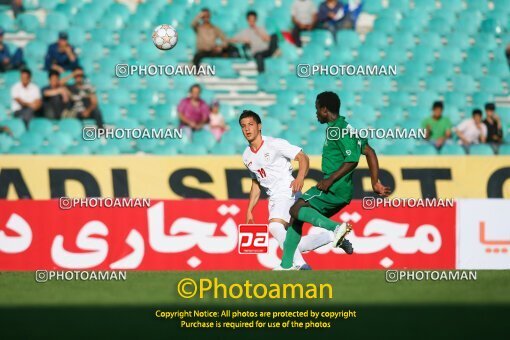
[
  {"x": 313, "y": 241},
  {"x": 278, "y": 231}
]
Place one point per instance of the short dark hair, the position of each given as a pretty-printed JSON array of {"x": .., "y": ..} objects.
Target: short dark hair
[
  {"x": 477, "y": 112},
  {"x": 490, "y": 106},
  {"x": 53, "y": 73},
  {"x": 330, "y": 101},
  {"x": 249, "y": 113},
  {"x": 205, "y": 9},
  {"x": 437, "y": 105},
  {"x": 27, "y": 71},
  {"x": 251, "y": 13},
  {"x": 195, "y": 85}
]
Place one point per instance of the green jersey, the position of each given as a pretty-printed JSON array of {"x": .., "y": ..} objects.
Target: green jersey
[{"x": 338, "y": 150}]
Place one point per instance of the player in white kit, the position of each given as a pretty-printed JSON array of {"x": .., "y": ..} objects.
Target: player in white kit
[{"x": 269, "y": 162}]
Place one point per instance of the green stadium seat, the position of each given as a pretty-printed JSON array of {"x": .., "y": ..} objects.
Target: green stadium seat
[
  {"x": 48, "y": 150},
  {"x": 322, "y": 37},
  {"x": 365, "y": 112},
  {"x": 20, "y": 150},
  {"x": 452, "y": 5},
  {"x": 424, "y": 149},
  {"x": 292, "y": 137},
  {"x": 459, "y": 40},
  {"x": 206, "y": 138},
  {"x": 452, "y": 149},
  {"x": 71, "y": 126},
  {"x": 479, "y": 99},
  {"x": 385, "y": 25},
  {"x": 442, "y": 67},
  {"x": 16, "y": 126},
  {"x": 277, "y": 66},
  {"x": 68, "y": 9},
  {"x": 425, "y": 5},
  {"x": 477, "y": 55},
  {"x": 383, "y": 123},
  {"x": 269, "y": 82},
  {"x": 289, "y": 52},
  {"x": 41, "y": 126},
  {"x": 491, "y": 84},
  {"x": 111, "y": 21},
  {"x": 286, "y": 97},
  {"x": 126, "y": 123},
  {"x": 408, "y": 82},
  {"x": 404, "y": 40},
  {"x": 305, "y": 115},
  {"x": 139, "y": 112},
  {"x": 224, "y": 149},
  {"x": 60, "y": 140},
  {"x": 493, "y": 26},
  {"x": 448, "y": 16},
  {"x": 498, "y": 69},
  {"x": 107, "y": 150},
  {"x": 312, "y": 54},
  {"x": 419, "y": 113},
  {"x": 395, "y": 55},
  {"x": 437, "y": 83},
  {"x": 373, "y": 7},
  {"x": 430, "y": 40},
  {"x": 148, "y": 145},
  {"x": 57, "y": 22},
  {"x": 454, "y": 54},
  {"x": 473, "y": 69},
  {"x": 374, "y": 99},
  {"x": 501, "y": 6},
  {"x": 347, "y": 97},
  {"x": 503, "y": 149},
  {"x": 125, "y": 145},
  {"x": 413, "y": 23},
  {"x": 27, "y": 22},
  {"x": 95, "y": 51},
  {"x": 193, "y": 149},
  {"x": 77, "y": 150},
  {"x": 392, "y": 113},
  {"x": 481, "y": 150},
  {"x": 382, "y": 84},
  {"x": 455, "y": 99},
  {"x": 119, "y": 97},
  {"x": 325, "y": 83},
  {"x": 111, "y": 113},
  {"x": 84, "y": 20},
  {"x": 354, "y": 84},
  {"x": 375, "y": 39},
  {"x": 399, "y": 99},
  {"x": 439, "y": 26},
  {"x": 463, "y": 83},
  {"x": 272, "y": 126},
  {"x": 486, "y": 41},
  {"x": 368, "y": 55},
  {"x": 8, "y": 24},
  {"x": 425, "y": 99},
  {"x": 119, "y": 9},
  {"x": 6, "y": 142},
  {"x": 235, "y": 138},
  {"x": 121, "y": 52},
  {"x": 423, "y": 55},
  {"x": 394, "y": 149},
  {"x": 300, "y": 127},
  {"x": 297, "y": 84},
  {"x": 35, "y": 50},
  {"x": 165, "y": 150},
  {"x": 347, "y": 39}
]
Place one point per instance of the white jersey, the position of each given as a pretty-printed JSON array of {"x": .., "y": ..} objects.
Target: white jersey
[{"x": 271, "y": 165}]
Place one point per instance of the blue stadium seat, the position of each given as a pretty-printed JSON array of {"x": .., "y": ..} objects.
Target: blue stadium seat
[
  {"x": 15, "y": 125},
  {"x": 452, "y": 149},
  {"x": 111, "y": 113},
  {"x": 365, "y": 112},
  {"x": 165, "y": 150},
  {"x": 27, "y": 22},
  {"x": 354, "y": 84},
  {"x": 8, "y": 24},
  {"x": 107, "y": 150},
  {"x": 399, "y": 99},
  {"x": 374, "y": 99},
  {"x": 436, "y": 83},
  {"x": 348, "y": 39},
  {"x": 404, "y": 40},
  {"x": 77, "y": 150},
  {"x": 452, "y": 53},
  {"x": 71, "y": 126},
  {"x": 425, "y": 5},
  {"x": 481, "y": 150},
  {"x": 442, "y": 67},
  {"x": 41, "y": 126},
  {"x": 452, "y": 5},
  {"x": 119, "y": 96},
  {"x": 424, "y": 149},
  {"x": 425, "y": 99},
  {"x": 48, "y": 150},
  {"x": 57, "y": 21},
  {"x": 463, "y": 83},
  {"x": 491, "y": 84},
  {"x": 392, "y": 114},
  {"x": 20, "y": 150},
  {"x": 456, "y": 99},
  {"x": 503, "y": 149},
  {"x": 481, "y": 98},
  {"x": 60, "y": 140},
  {"x": 376, "y": 39},
  {"x": 418, "y": 113}
]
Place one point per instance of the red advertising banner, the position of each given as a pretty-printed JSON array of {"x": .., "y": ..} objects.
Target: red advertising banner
[{"x": 203, "y": 234}]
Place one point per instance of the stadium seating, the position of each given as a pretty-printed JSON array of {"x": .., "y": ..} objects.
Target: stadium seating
[{"x": 448, "y": 49}]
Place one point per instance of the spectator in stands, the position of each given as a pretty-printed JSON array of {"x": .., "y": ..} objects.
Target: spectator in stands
[
  {"x": 507, "y": 52},
  {"x": 472, "y": 130},
  {"x": 56, "y": 98},
  {"x": 260, "y": 44},
  {"x": 304, "y": 17},
  {"x": 17, "y": 7},
  {"x": 193, "y": 111},
  {"x": 207, "y": 37},
  {"x": 438, "y": 128},
  {"x": 61, "y": 56},
  {"x": 84, "y": 103},
  {"x": 494, "y": 127},
  {"x": 9, "y": 61},
  {"x": 26, "y": 97},
  {"x": 334, "y": 16},
  {"x": 217, "y": 124}
]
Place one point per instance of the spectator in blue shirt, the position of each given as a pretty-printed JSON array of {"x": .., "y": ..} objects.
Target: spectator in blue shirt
[
  {"x": 334, "y": 16},
  {"x": 61, "y": 56},
  {"x": 9, "y": 61}
]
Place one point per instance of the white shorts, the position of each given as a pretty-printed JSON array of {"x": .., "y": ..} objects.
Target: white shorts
[{"x": 279, "y": 207}]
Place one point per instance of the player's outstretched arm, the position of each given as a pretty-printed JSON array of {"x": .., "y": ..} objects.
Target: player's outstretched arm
[
  {"x": 254, "y": 198},
  {"x": 373, "y": 167},
  {"x": 304, "y": 166}
]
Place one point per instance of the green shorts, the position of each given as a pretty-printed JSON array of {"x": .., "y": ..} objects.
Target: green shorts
[{"x": 327, "y": 204}]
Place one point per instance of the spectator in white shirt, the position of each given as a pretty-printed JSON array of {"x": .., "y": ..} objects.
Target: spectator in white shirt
[
  {"x": 304, "y": 17},
  {"x": 26, "y": 97},
  {"x": 472, "y": 130},
  {"x": 261, "y": 44}
]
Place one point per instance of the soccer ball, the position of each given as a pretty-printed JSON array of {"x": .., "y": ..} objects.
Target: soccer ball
[{"x": 164, "y": 37}]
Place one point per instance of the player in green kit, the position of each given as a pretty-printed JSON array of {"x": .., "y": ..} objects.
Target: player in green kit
[{"x": 340, "y": 156}]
